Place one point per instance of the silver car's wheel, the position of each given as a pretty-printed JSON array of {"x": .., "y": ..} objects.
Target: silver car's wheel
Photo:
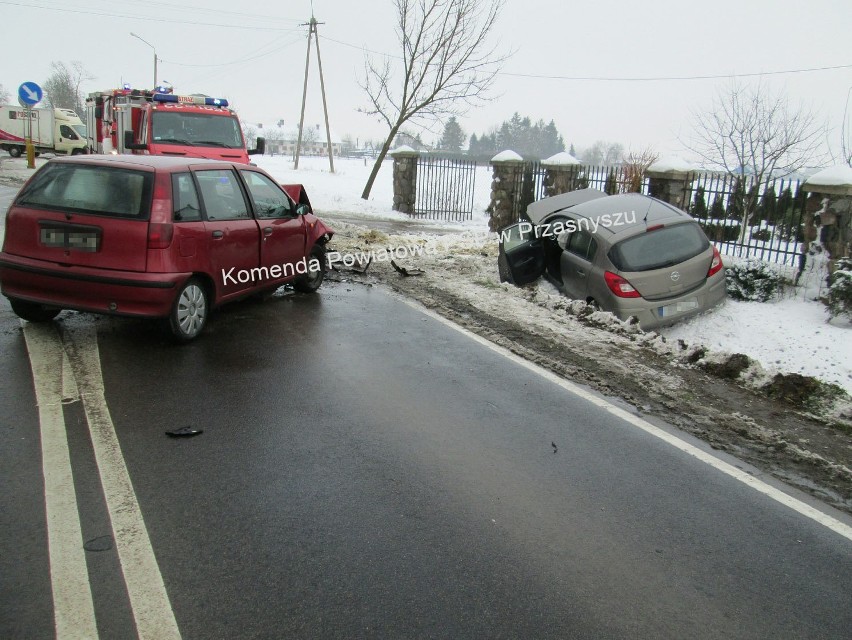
[{"x": 189, "y": 313}]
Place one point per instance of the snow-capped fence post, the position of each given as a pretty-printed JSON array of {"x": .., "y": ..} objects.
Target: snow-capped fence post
[
  {"x": 404, "y": 179},
  {"x": 828, "y": 213},
  {"x": 561, "y": 174},
  {"x": 669, "y": 180},
  {"x": 506, "y": 187}
]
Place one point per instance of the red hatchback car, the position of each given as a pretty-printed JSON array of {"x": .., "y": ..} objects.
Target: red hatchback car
[{"x": 157, "y": 237}]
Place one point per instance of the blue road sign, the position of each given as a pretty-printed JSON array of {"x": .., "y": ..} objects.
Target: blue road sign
[{"x": 29, "y": 94}]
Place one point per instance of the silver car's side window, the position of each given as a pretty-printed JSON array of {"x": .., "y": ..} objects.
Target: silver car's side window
[
  {"x": 582, "y": 244},
  {"x": 515, "y": 235}
]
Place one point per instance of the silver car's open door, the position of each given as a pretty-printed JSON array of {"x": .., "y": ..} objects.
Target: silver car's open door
[{"x": 521, "y": 257}]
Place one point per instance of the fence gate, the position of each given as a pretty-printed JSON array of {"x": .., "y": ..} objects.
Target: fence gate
[
  {"x": 445, "y": 188},
  {"x": 529, "y": 187}
]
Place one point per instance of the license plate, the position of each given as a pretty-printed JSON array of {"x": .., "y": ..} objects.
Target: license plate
[
  {"x": 76, "y": 238},
  {"x": 678, "y": 307}
]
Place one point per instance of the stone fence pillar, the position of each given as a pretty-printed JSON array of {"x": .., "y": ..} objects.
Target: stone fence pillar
[
  {"x": 404, "y": 179},
  {"x": 506, "y": 188},
  {"x": 561, "y": 174},
  {"x": 668, "y": 180},
  {"x": 828, "y": 212}
]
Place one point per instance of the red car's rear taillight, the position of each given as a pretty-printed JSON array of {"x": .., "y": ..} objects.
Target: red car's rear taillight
[
  {"x": 160, "y": 233},
  {"x": 716, "y": 264},
  {"x": 619, "y": 286}
]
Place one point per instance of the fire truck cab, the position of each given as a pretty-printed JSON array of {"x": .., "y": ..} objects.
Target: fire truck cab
[{"x": 156, "y": 123}]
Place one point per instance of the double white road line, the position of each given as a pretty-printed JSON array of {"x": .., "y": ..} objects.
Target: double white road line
[{"x": 69, "y": 368}]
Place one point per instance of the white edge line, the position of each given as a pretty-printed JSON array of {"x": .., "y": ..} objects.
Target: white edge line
[
  {"x": 74, "y": 610},
  {"x": 149, "y": 600},
  {"x": 759, "y": 485}
]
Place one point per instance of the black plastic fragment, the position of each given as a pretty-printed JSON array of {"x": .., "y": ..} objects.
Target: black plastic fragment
[{"x": 184, "y": 432}]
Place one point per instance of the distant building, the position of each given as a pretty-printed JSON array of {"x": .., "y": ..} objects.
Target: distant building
[
  {"x": 282, "y": 141},
  {"x": 409, "y": 140}
]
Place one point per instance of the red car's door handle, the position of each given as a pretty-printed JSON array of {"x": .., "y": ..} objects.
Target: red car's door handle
[
  {"x": 218, "y": 234},
  {"x": 267, "y": 231}
]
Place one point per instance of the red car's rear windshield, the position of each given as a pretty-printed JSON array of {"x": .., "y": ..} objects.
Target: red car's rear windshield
[
  {"x": 660, "y": 248},
  {"x": 90, "y": 189}
]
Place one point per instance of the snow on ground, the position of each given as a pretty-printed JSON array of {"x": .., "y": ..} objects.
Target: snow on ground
[
  {"x": 340, "y": 192},
  {"x": 789, "y": 335}
]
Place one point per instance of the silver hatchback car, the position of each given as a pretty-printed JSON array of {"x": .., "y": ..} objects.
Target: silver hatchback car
[{"x": 629, "y": 254}]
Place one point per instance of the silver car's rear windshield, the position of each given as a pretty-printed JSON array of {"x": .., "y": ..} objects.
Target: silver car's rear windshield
[
  {"x": 659, "y": 248},
  {"x": 90, "y": 189}
]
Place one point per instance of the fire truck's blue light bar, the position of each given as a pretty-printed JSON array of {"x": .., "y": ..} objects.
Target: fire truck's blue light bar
[{"x": 170, "y": 97}]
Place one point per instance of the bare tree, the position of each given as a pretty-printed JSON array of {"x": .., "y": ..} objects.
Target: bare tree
[
  {"x": 635, "y": 166},
  {"x": 250, "y": 135},
  {"x": 751, "y": 132},
  {"x": 4, "y": 95},
  {"x": 845, "y": 133},
  {"x": 446, "y": 65},
  {"x": 603, "y": 152},
  {"x": 62, "y": 88}
]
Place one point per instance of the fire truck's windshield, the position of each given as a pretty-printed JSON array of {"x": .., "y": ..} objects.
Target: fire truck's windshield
[{"x": 196, "y": 129}]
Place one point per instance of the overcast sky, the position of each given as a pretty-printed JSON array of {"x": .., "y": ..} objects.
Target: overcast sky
[{"x": 255, "y": 57}]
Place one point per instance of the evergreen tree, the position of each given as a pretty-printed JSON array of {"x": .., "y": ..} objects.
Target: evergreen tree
[
  {"x": 473, "y": 145},
  {"x": 532, "y": 140},
  {"x": 751, "y": 205},
  {"x": 699, "y": 205},
  {"x": 453, "y": 138},
  {"x": 572, "y": 150},
  {"x": 736, "y": 203},
  {"x": 717, "y": 209},
  {"x": 611, "y": 184},
  {"x": 785, "y": 201},
  {"x": 768, "y": 204}
]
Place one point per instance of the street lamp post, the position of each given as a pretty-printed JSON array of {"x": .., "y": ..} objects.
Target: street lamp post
[{"x": 155, "y": 57}]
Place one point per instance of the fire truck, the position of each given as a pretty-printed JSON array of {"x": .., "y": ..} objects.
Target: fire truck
[{"x": 163, "y": 123}]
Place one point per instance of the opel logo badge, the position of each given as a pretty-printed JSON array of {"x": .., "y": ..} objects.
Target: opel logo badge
[{"x": 675, "y": 276}]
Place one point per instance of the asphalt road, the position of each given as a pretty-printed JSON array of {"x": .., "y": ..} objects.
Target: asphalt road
[{"x": 367, "y": 471}]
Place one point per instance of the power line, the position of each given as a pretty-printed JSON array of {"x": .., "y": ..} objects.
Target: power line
[
  {"x": 146, "y": 18},
  {"x": 625, "y": 79},
  {"x": 241, "y": 60},
  {"x": 668, "y": 78},
  {"x": 195, "y": 8}
]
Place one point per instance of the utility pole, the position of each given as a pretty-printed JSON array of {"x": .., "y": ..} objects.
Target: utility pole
[{"x": 312, "y": 31}]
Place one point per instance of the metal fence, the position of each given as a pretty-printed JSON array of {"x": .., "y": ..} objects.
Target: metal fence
[
  {"x": 445, "y": 188},
  {"x": 529, "y": 187},
  {"x": 530, "y": 183},
  {"x": 743, "y": 217},
  {"x": 749, "y": 219}
]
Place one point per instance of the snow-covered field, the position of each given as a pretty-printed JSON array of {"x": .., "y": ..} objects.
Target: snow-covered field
[{"x": 789, "y": 334}]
